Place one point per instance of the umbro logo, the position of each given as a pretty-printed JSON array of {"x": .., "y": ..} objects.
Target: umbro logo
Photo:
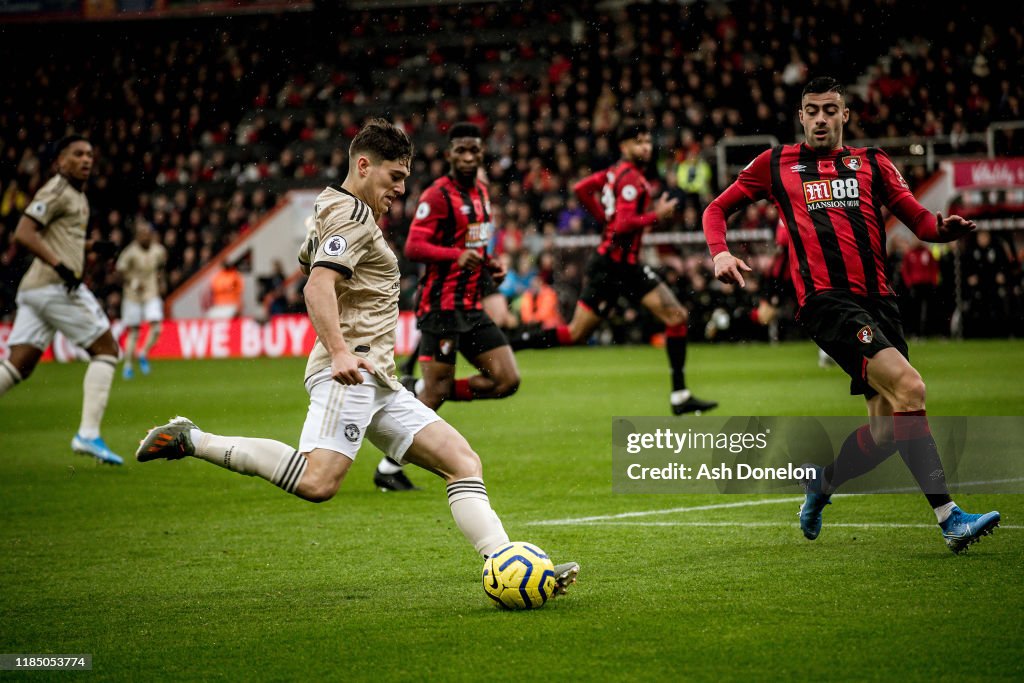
[
  {"x": 465, "y": 208},
  {"x": 797, "y": 168}
]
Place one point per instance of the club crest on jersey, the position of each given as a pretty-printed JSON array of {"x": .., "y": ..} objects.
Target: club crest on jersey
[
  {"x": 335, "y": 246},
  {"x": 853, "y": 163},
  {"x": 352, "y": 432},
  {"x": 446, "y": 346},
  {"x": 865, "y": 335},
  {"x": 826, "y": 166}
]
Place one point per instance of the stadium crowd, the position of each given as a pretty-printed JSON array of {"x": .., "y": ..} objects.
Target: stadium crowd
[{"x": 200, "y": 129}]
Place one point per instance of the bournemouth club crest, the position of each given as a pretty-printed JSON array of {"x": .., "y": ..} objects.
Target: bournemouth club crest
[
  {"x": 446, "y": 346},
  {"x": 852, "y": 162},
  {"x": 865, "y": 335}
]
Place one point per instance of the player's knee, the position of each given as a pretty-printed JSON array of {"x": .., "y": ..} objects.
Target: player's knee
[
  {"x": 676, "y": 315},
  {"x": 317, "y": 486},
  {"x": 506, "y": 385},
  {"x": 464, "y": 462},
  {"x": 910, "y": 390}
]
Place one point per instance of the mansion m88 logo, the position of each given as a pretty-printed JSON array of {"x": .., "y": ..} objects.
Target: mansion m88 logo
[{"x": 838, "y": 193}]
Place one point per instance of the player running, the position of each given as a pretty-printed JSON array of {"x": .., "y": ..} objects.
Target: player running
[
  {"x": 51, "y": 295},
  {"x": 141, "y": 267},
  {"x": 830, "y": 197},
  {"x": 450, "y": 233},
  {"x": 620, "y": 197},
  {"x": 352, "y": 299}
]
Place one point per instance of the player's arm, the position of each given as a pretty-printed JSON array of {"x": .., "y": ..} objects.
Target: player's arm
[
  {"x": 28, "y": 234},
  {"x": 587, "y": 191},
  {"x": 927, "y": 226},
  {"x": 629, "y": 214},
  {"x": 322, "y": 305},
  {"x": 751, "y": 185},
  {"x": 423, "y": 244}
]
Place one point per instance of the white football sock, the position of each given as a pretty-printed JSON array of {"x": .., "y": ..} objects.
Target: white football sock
[
  {"x": 9, "y": 376},
  {"x": 474, "y": 516},
  {"x": 943, "y": 511},
  {"x": 678, "y": 397},
  {"x": 388, "y": 466},
  {"x": 278, "y": 463},
  {"x": 95, "y": 392}
]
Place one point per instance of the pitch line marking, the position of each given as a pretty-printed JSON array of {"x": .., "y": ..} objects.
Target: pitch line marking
[
  {"x": 665, "y": 511},
  {"x": 850, "y": 525}
]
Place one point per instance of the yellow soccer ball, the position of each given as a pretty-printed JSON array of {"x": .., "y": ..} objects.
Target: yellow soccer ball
[{"x": 519, "y": 576}]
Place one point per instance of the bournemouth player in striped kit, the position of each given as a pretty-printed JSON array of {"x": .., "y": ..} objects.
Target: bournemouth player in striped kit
[
  {"x": 620, "y": 198},
  {"x": 830, "y": 197},
  {"x": 450, "y": 233}
]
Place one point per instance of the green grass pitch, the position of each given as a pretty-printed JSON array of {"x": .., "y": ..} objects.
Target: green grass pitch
[{"x": 185, "y": 571}]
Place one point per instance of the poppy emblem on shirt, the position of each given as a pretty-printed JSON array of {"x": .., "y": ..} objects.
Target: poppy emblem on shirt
[
  {"x": 852, "y": 163},
  {"x": 826, "y": 166},
  {"x": 335, "y": 246},
  {"x": 865, "y": 335}
]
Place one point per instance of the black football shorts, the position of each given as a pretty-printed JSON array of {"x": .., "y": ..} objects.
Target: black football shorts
[
  {"x": 607, "y": 280},
  {"x": 444, "y": 333}
]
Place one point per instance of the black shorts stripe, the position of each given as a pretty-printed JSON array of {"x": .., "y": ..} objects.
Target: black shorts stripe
[
  {"x": 830, "y": 249},
  {"x": 782, "y": 197},
  {"x": 860, "y": 233}
]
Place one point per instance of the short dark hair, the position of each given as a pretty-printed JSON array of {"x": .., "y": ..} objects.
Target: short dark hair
[
  {"x": 630, "y": 130},
  {"x": 381, "y": 140},
  {"x": 823, "y": 84},
  {"x": 464, "y": 130},
  {"x": 67, "y": 141}
]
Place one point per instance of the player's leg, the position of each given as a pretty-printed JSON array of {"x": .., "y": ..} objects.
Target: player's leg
[
  {"x": 660, "y": 301},
  {"x": 335, "y": 425},
  {"x": 897, "y": 380},
  {"x": 486, "y": 347},
  {"x": 131, "y": 339},
  {"x": 30, "y": 337},
  {"x": 154, "y": 314},
  {"x": 584, "y": 322}
]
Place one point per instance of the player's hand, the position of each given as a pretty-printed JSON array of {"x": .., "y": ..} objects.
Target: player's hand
[
  {"x": 953, "y": 227},
  {"x": 498, "y": 270},
  {"x": 729, "y": 269},
  {"x": 665, "y": 207},
  {"x": 345, "y": 368},
  {"x": 470, "y": 259},
  {"x": 71, "y": 281}
]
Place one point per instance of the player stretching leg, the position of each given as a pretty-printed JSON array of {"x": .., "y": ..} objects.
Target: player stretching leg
[
  {"x": 615, "y": 270},
  {"x": 51, "y": 295},
  {"x": 352, "y": 298},
  {"x": 830, "y": 197}
]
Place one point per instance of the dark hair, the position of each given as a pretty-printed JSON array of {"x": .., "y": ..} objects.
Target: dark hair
[
  {"x": 381, "y": 141},
  {"x": 464, "y": 130},
  {"x": 67, "y": 141},
  {"x": 630, "y": 131},
  {"x": 823, "y": 84}
]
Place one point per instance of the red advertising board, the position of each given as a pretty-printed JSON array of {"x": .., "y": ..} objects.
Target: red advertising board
[
  {"x": 989, "y": 173},
  {"x": 283, "y": 335}
]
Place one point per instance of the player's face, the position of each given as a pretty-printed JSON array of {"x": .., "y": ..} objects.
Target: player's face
[
  {"x": 638, "y": 149},
  {"x": 385, "y": 182},
  {"x": 466, "y": 155},
  {"x": 144, "y": 236},
  {"x": 823, "y": 116},
  {"x": 76, "y": 160}
]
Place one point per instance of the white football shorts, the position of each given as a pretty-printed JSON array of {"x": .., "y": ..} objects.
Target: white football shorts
[
  {"x": 45, "y": 310},
  {"x": 341, "y": 415},
  {"x": 134, "y": 313}
]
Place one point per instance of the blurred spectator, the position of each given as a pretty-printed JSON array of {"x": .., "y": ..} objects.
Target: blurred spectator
[
  {"x": 539, "y": 305},
  {"x": 226, "y": 292},
  {"x": 919, "y": 273}
]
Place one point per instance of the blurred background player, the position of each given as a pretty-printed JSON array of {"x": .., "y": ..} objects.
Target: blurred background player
[
  {"x": 352, "y": 299},
  {"x": 51, "y": 295},
  {"x": 450, "y": 233},
  {"x": 619, "y": 197},
  {"x": 141, "y": 266},
  {"x": 830, "y": 198}
]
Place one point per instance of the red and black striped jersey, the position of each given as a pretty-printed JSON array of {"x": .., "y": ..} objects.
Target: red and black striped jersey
[
  {"x": 625, "y": 196},
  {"x": 831, "y": 205},
  {"x": 450, "y": 218}
]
